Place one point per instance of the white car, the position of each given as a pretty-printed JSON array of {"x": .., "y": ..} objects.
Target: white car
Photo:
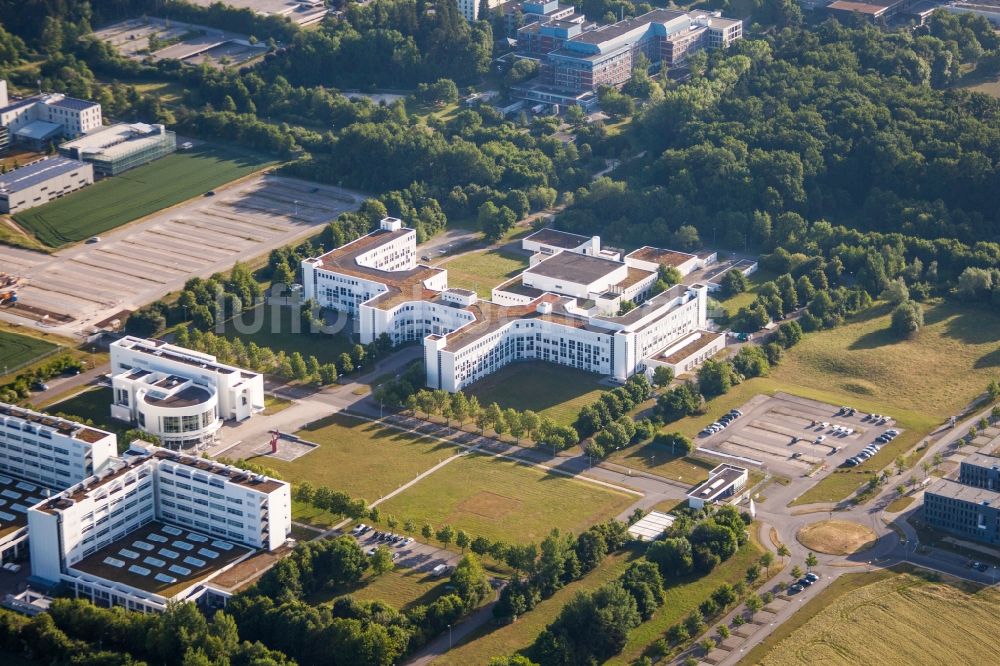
[
  {"x": 824, "y": 425},
  {"x": 359, "y": 529},
  {"x": 819, "y": 440}
]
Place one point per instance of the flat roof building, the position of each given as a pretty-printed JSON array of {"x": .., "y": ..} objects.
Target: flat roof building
[
  {"x": 651, "y": 526},
  {"x": 41, "y": 454},
  {"x": 59, "y": 115},
  {"x": 41, "y": 182},
  {"x": 723, "y": 482},
  {"x": 154, "y": 527},
  {"x": 967, "y": 511},
  {"x": 121, "y": 147},
  {"x": 179, "y": 395}
]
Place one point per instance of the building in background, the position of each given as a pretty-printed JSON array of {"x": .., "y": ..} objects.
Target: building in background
[
  {"x": 179, "y": 395},
  {"x": 470, "y": 8},
  {"x": 970, "y": 506},
  {"x": 41, "y": 182},
  {"x": 723, "y": 483},
  {"x": 578, "y": 58},
  {"x": 41, "y": 119},
  {"x": 155, "y": 527},
  {"x": 121, "y": 147},
  {"x": 39, "y": 455}
]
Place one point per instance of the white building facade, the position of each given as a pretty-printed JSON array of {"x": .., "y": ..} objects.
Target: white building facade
[
  {"x": 177, "y": 394},
  {"x": 41, "y": 182},
  {"x": 187, "y": 511},
  {"x": 564, "y": 308},
  {"x": 74, "y": 116}
]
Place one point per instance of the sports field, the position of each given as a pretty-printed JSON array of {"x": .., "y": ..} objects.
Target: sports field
[
  {"x": 18, "y": 350},
  {"x": 919, "y": 621},
  {"x": 500, "y": 499},
  {"x": 361, "y": 458},
  {"x": 552, "y": 390},
  {"x": 481, "y": 271},
  {"x": 138, "y": 192}
]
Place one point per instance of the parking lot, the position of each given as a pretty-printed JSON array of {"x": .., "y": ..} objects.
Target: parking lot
[
  {"x": 414, "y": 555},
  {"x": 785, "y": 435},
  {"x": 193, "y": 44},
  {"x": 136, "y": 264}
]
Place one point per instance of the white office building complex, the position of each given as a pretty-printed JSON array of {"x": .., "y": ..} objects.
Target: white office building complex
[
  {"x": 155, "y": 526},
  {"x": 470, "y": 9},
  {"x": 41, "y": 454},
  {"x": 39, "y": 119},
  {"x": 564, "y": 308},
  {"x": 179, "y": 395}
]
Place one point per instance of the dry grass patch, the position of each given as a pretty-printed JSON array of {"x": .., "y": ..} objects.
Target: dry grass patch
[
  {"x": 836, "y": 537},
  {"x": 899, "y": 504},
  {"x": 917, "y": 620}
]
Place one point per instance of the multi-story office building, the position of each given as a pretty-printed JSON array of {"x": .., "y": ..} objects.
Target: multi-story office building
[
  {"x": 40, "y": 454},
  {"x": 179, "y": 395},
  {"x": 41, "y": 182},
  {"x": 968, "y": 511},
  {"x": 36, "y": 120},
  {"x": 578, "y": 58},
  {"x": 470, "y": 9},
  {"x": 155, "y": 526},
  {"x": 520, "y": 13},
  {"x": 563, "y": 309},
  {"x": 121, "y": 147},
  {"x": 981, "y": 471}
]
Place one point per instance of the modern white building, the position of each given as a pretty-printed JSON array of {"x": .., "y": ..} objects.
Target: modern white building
[
  {"x": 38, "y": 119},
  {"x": 723, "y": 483},
  {"x": 41, "y": 454},
  {"x": 41, "y": 182},
  {"x": 155, "y": 526},
  {"x": 470, "y": 9},
  {"x": 179, "y": 395},
  {"x": 564, "y": 308}
]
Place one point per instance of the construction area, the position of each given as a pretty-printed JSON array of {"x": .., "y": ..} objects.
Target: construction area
[
  {"x": 793, "y": 436},
  {"x": 73, "y": 290}
]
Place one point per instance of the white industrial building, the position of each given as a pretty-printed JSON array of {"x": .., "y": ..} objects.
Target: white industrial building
[
  {"x": 564, "y": 308},
  {"x": 155, "y": 526},
  {"x": 41, "y": 454},
  {"x": 121, "y": 147},
  {"x": 41, "y": 182},
  {"x": 179, "y": 395},
  {"x": 38, "y": 119}
]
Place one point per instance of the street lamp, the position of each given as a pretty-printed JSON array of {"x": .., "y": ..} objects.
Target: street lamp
[{"x": 449, "y": 637}]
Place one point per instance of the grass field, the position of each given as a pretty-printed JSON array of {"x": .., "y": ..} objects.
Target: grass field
[
  {"x": 481, "y": 271},
  {"x": 754, "y": 282},
  {"x": 660, "y": 460},
  {"x": 93, "y": 404},
  {"x": 918, "y": 621},
  {"x": 491, "y": 641},
  {"x": 552, "y": 390},
  {"x": 136, "y": 193},
  {"x": 361, "y": 458},
  {"x": 19, "y": 350},
  {"x": 899, "y": 504},
  {"x": 402, "y": 588},
  {"x": 500, "y": 499},
  {"x": 284, "y": 333},
  {"x": 836, "y": 537}
]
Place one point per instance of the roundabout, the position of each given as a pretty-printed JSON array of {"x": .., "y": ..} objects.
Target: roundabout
[{"x": 836, "y": 537}]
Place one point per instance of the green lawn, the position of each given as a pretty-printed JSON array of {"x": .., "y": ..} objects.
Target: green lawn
[
  {"x": 500, "y": 499},
  {"x": 285, "y": 333},
  {"x": 138, "y": 192},
  {"x": 401, "y": 588},
  {"x": 361, "y": 458},
  {"x": 556, "y": 391},
  {"x": 754, "y": 282},
  {"x": 19, "y": 350},
  {"x": 93, "y": 405},
  {"x": 492, "y": 641},
  {"x": 482, "y": 270}
]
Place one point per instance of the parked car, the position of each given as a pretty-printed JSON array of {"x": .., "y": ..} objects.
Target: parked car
[
  {"x": 805, "y": 582},
  {"x": 94, "y": 239},
  {"x": 39, "y": 385},
  {"x": 812, "y": 576},
  {"x": 12, "y": 567},
  {"x": 360, "y": 529},
  {"x": 795, "y": 588},
  {"x": 819, "y": 440}
]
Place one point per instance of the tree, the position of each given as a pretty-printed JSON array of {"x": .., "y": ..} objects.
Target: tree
[
  {"x": 145, "y": 323},
  {"x": 783, "y": 552},
  {"x": 470, "y": 581},
  {"x": 907, "y": 319},
  {"x": 445, "y": 535},
  {"x": 672, "y": 555},
  {"x": 753, "y": 572},
  {"x": 513, "y": 420},
  {"x": 715, "y": 377},
  {"x": 751, "y": 361},
  {"x": 461, "y": 540},
  {"x": 427, "y": 532},
  {"x": 796, "y": 572},
  {"x": 754, "y": 603},
  {"x": 811, "y": 560},
  {"x": 734, "y": 282},
  {"x": 707, "y": 644},
  {"x": 766, "y": 560},
  {"x": 723, "y": 632},
  {"x": 663, "y": 376},
  {"x": 381, "y": 561}
]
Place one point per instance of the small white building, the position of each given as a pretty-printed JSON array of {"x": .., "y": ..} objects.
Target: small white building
[
  {"x": 41, "y": 182},
  {"x": 155, "y": 527},
  {"x": 179, "y": 395},
  {"x": 723, "y": 482}
]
